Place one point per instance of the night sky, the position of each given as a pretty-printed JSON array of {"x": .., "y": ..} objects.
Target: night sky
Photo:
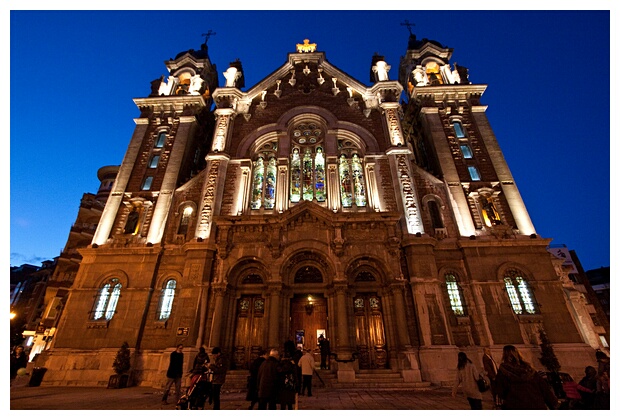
[{"x": 73, "y": 75}]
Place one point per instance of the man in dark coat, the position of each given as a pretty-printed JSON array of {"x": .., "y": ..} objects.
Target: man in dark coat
[
  {"x": 219, "y": 368},
  {"x": 252, "y": 395},
  {"x": 268, "y": 382},
  {"x": 18, "y": 360},
  {"x": 174, "y": 374}
]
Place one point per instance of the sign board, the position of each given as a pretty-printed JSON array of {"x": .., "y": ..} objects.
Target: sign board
[{"x": 182, "y": 331}]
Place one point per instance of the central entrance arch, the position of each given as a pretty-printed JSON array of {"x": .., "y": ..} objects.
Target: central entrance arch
[{"x": 308, "y": 320}]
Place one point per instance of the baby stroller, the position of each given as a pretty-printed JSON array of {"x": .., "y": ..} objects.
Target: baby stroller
[{"x": 195, "y": 396}]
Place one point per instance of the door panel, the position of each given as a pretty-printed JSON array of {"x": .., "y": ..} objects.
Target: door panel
[
  {"x": 249, "y": 331},
  {"x": 370, "y": 333}
]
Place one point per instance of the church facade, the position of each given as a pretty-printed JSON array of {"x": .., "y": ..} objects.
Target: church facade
[{"x": 313, "y": 204}]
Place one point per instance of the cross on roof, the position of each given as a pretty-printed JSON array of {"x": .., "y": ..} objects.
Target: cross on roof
[
  {"x": 408, "y": 25},
  {"x": 208, "y": 35}
]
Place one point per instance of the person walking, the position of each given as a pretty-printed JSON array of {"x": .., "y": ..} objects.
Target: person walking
[
  {"x": 219, "y": 367},
  {"x": 174, "y": 374},
  {"x": 287, "y": 383},
  {"x": 252, "y": 395},
  {"x": 519, "y": 387},
  {"x": 467, "y": 376},
  {"x": 307, "y": 369},
  {"x": 587, "y": 388},
  {"x": 490, "y": 370},
  {"x": 19, "y": 360},
  {"x": 268, "y": 382},
  {"x": 323, "y": 350}
]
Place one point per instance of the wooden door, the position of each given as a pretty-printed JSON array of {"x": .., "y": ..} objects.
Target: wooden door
[
  {"x": 249, "y": 331},
  {"x": 370, "y": 334},
  {"x": 309, "y": 316}
]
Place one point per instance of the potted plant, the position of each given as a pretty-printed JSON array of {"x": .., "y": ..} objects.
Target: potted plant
[{"x": 121, "y": 365}]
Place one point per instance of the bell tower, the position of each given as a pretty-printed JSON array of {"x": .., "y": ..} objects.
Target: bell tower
[{"x": 168, "y": 147}]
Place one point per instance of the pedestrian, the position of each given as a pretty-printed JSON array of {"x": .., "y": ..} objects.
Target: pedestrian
[
  {"x": 201, "y": 361},
  {"x": 467, "y": 376},
  {"x": 199, "y": 380},
  {"x": 287, "y": 383},
  {"x": 19, "y": 360},
  {"x": 519, "y": 387},
  {"x": 174, "y": 374},
  {"x": 307, "y": 369},
  {"x": 490, "y": 370},
  {"x": 323, "y": 351},
  {"x": 298, "y": 355},
  {"x": 268, "y": 382},
  {"x": 587, "y": 387},
  {"x": 252, "y": 395},
  {"x": 219, "y": 367},
  {"x": 289, "y": 347}
]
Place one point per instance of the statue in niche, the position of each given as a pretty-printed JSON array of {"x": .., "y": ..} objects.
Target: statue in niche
[
  {"x": 381, "y": 69},
  {"x": 231, "y": 75},
  {"x": 463, "y": 74},
  {"x": 420, "y": 76},
  {"x": 166, "y": 88},
  {"x": 195, "y": 85},
  {"x": 488, "y": 208},
  {"x": 132, "y": 222}
]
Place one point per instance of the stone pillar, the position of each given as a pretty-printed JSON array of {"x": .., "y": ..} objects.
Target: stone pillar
[
  {"x": 410, "y": 368},
  {"x": 212, "y": 192},
  {"x": 220, "y": 291},
  {"x": 273, "y": 338},
  {"x": 346, "y": 372},
  {"x": 169, "y": 183},
  {"x": 116, "y": 195},
  {"x": 406, "y": 189},
  {"x": 223, "y": 117}
]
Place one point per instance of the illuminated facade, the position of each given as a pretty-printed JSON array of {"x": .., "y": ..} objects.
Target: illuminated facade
[{"x": 314, "y": 204}]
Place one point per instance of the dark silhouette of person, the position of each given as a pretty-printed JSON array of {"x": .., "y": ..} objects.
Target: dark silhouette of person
[
  {"x": 268, "y": 382},
  {"x": 219, "y": 366},
  {"x": 174, "y": 374},
  {"x": 18, "y": 360},
  {"x": 252, "y": 395}
]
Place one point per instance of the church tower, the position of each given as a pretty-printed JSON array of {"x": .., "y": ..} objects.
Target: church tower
[{"x": 382, "y": 218}]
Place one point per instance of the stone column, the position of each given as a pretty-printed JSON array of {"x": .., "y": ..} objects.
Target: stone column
[
  {"x": 410, "y": 368},
  {"x": 273, "y": 338},
  {"x": 346, "y": 372},
  {"x": 220, "y": 292}
]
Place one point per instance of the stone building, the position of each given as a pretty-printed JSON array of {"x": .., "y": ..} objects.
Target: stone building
[{"x": 382, "y": 216}]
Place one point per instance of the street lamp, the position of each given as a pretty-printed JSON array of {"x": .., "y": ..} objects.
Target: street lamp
[{"x": 13, "y": 314}]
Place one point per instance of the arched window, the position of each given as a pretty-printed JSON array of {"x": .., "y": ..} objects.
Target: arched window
[
  {"x": 454, "y": 293},
  {"x": 185, "y": 218},
  {"x": 107, "y": 298},
  {"x": 166, "y": 299},
  {"x": 264, "y": 184},
  {"x": 307, "y": 164},
  {"x": 519, "y": 292},
  {"x": 308, "y": 274},
  {"x": 435, "y": 214}
]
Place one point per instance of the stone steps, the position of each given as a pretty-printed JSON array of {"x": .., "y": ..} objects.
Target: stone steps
[{"x": 236, "y": 381}]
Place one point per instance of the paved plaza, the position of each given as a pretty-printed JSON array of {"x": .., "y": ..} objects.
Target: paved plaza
[{"x": 139, "y": 398}]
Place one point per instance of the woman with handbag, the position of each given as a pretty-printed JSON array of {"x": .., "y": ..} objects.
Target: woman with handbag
[{"x": 467, "y": 376}]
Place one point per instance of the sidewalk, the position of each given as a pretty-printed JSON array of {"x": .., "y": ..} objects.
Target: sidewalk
[{"x": 138, "y": 398}]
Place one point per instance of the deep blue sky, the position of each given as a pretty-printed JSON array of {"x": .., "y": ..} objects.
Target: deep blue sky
[{"x": 73, "y": 76}]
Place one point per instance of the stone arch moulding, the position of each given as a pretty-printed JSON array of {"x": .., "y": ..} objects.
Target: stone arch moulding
[
  {"x": 501, "y": 270},
  {"x": 375, "y": 266},
  {"x": 122, "y": 277},
  {"x": 461, "y": 276},
  {"x": 169, "y": 275},
  {"x": 245, "y": 267},
  {"x": 306, "y": 257}
]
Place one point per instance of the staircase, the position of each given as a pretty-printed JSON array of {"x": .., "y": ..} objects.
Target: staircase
[{"x": 385, "y": 379}]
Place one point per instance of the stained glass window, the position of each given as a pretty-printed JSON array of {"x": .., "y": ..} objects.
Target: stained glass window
[
  {"x": 358, "y": 181},
  {"x": 454, "y": 293},
  {"x": 346, "y": 195},
  {"x": 295, "y": 176},
  {"x": 519, "y": 293},
  {"x": 308, "y": 190},
  {"x": 270, "y": 186},
  {"x": 257, "y": 184},
  {"x": 319, "y": 166},
  {"x": 167, "y": 297}
]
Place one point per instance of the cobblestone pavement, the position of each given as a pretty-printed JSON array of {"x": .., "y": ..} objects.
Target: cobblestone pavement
[{"x": 139, "y": 398}]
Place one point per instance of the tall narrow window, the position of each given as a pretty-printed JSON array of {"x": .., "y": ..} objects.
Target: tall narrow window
[
  {"x": 270, "y": 184},
  {"x": 107, "y": 298},
  {"x": 295, "y": 176},
  {"x": 161, "y": 140},
  {"x": 359, "y": 188},
  {"x": 319, "y": 173},
  {"x": 473, "y": 173},
  {"x": 146, "y": 185},
  {"x": 308, "y": 190},
  {"x": 519, "y": 293},
  {"x": 466, "y": 150},
  {"x": 257, "y": 183},
  {"x": 154, "y": 161},
  {"x": 458, "y": 129},
  {"x": 346, "y": 194},
  {"x": 435, "y": 214},
  {"x": 454, "y": 293},
  {"x": 185, "y": 218},
  {"x": 165, "y": 302}
]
